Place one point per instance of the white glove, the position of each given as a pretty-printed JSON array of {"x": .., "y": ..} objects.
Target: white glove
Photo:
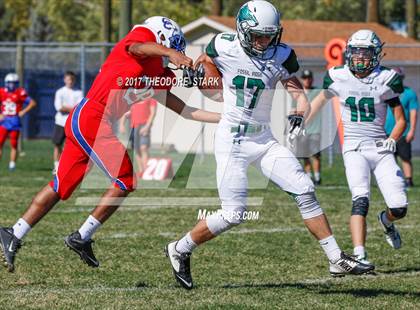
[
  {"x": 134, "y": 95},
  {"x": 389, "y": 145}
]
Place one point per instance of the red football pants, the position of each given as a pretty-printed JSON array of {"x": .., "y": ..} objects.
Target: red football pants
[
  {"x": 90, "y": 139},
  {"x": 13, "y": 135}
]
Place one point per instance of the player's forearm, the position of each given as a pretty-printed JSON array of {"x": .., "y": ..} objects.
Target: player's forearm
[
  {"x": 398, "y": 130},
  {"x": 295, "y": 89},
  {"x": 302, "y": 107},
  {"x": 31, "y": 105},
  {"x": 200, "y": 115},
  {"x": 126, "y": 115},
  {"x": 178, "y": 106},
  {"x": 400, "y": 124},
  {"x": 65, "y": 109},
  {"x": 316, "y": 106},
  {"x": 151, "y": 118},
  {"x": 122, "y": 122},
  {"x": 149, "y": 49},
  {"x": 413, "y": 120}
]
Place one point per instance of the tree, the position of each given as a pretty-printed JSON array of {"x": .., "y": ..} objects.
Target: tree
[
  {"x": 74, "y": 20},
  {"x": 125, "y": 18},
  {"x": 39, "y": 28},
  {"x": 81, "y": 20},
  {"x": 19, "y": 16},
  {"x": 311, "y": 9},
  {"x": 372, "y": 14},
  {"x": 182, "y": 11},
  {"x": 106, "y": 27},
  {"x": 411, "y": 17},
  {"x": 217, "y": 7},
  {"x": 392, "y": 11}
]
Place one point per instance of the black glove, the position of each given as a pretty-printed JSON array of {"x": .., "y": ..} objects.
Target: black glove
[
  {"x": 192, "y": 77},
  {"x": 295, "y": 121},
  {"x": 200, "y": 72}
]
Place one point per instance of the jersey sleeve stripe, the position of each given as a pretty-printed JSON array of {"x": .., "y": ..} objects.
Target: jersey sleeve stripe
[
  {"x": 291, "y": 64},
  {"x": 396, "y": 84},
  {"x": 393, "y": 102},
  {"x": 327, "y": 80},
  {"x": 211, "y": 48}
]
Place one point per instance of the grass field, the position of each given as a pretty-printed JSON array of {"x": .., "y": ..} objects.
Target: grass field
[{"x": 269, "y": 263}]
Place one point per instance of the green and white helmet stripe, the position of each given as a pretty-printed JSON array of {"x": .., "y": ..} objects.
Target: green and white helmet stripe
[{"x": 261, "y": 18}]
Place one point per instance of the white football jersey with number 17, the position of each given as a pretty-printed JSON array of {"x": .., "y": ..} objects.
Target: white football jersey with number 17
[
  {"x": 364, "y": 101},
  {"x": 249, "y": 82}
]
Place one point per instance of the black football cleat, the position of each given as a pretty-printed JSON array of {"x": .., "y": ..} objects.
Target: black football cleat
[
  {"x": 83, "y": 248},
  {"x": 180, "y": 263},
  {"x": 392, "y": 235},
  {"x": 348, "y": 264},
  {"x": 9, "y": 245}
]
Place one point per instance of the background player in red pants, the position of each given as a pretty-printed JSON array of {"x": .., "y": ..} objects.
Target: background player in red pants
[
  {"x": 144, "y": 53},
  {"x": 12, "y": 100}
]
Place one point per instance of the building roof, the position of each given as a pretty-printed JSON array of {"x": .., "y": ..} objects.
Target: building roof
[{"x": 315, "y": 34}]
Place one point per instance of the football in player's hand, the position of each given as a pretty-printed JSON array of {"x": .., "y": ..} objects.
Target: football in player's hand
[{"x": 211, "y": 84}]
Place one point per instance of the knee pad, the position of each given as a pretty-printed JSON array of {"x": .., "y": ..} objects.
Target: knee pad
[
  {"x": 360, "y": 206},
  {"x": 308, "y": 205},
  {"x": 223, "y": 220},
  {"x": 398, "y": 213}
]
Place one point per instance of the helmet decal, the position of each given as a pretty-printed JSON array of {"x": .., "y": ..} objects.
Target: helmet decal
[
  {"x": 167, "y": 23},
  {"x": 245, "y": 15}
]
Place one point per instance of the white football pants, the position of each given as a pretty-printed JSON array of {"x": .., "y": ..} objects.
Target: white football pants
[
  {"x": 360, "y": 161},
  {"x": 235, "y": 152}
]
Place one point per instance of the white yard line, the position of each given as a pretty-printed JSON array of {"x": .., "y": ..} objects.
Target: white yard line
[
  {"x": 159, "y": 202},
  {"x": 300, "y": 229},
  {"x": 108, "y": 289},
  {"x": 135, "y": 204},
  {"x": 100, "y": 289},
  {"x": 239, "y": 231}
]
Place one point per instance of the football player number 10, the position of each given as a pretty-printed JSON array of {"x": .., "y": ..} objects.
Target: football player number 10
[
  {"x": 240, "y": 81},
  {"x": 363, "y": 111}
]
